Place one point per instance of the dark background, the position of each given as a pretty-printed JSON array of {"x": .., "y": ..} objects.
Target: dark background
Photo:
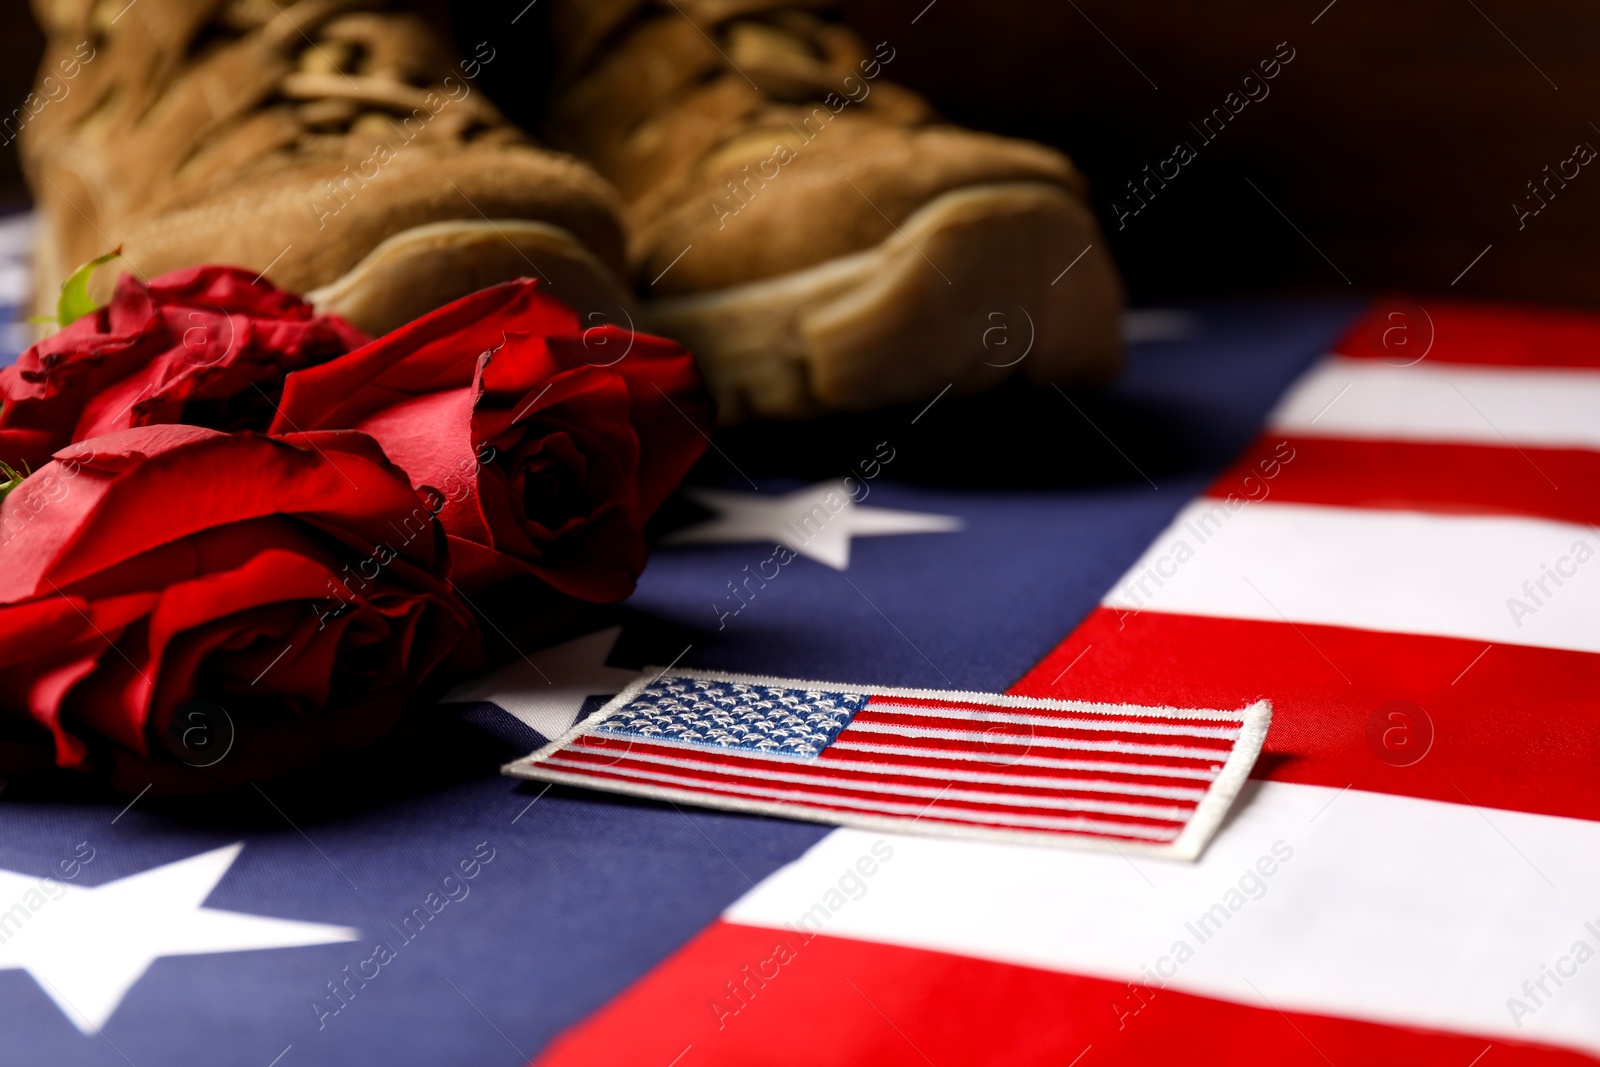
[{"x": 1395, "y": 142}]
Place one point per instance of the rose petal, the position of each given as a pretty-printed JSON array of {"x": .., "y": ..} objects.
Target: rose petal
[{"x": 438, "y": 351}]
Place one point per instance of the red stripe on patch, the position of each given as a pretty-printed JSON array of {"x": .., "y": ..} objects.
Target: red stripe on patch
[
  {"x": 877, "y": 769},
  {"x": 833, "y": 796},
  {"x": 902, "y": 705},
  {"x": 862, "y": 726}
]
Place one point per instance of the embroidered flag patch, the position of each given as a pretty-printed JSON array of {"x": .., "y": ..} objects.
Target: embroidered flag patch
[{"x": 1153, "y": 780}]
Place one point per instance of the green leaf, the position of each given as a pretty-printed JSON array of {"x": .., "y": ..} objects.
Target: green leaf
[
  {"x": 75, "y": 301},
  {"x": 13, "y": 478}
]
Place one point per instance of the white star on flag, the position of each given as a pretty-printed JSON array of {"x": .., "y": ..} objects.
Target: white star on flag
[
  {"x": 87, "y": 945},
  {"x": 817, "y": 522},
  {"x": 547, "y": 689}
]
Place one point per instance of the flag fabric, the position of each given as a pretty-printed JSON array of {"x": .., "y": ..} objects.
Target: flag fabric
[
  {"x": 1150, "y": 780},
  {"x": 1360, "y": 904},
  {"x": 1404, "y": 562},
  {"x": 16, "y": 238}
]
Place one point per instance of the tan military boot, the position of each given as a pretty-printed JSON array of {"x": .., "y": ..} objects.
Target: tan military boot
[
  {"x": 334, "y": 145},
  {"x": 810, "y": 229}
]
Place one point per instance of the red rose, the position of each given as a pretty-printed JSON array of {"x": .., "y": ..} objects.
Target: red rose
[
  {"x": 179, "y": 604},
  {"x": 207, "y": 346},
  {"x": 544, "y": 447}
]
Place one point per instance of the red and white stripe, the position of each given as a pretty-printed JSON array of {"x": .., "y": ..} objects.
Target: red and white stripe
[
  {"x": 1146, "y": 779},
  {"x": 1428, "y": 914}
]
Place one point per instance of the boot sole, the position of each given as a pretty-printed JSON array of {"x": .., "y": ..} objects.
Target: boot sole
[
  {"x": 979, "y": 284},
  {"x": 428, "y": 266}
]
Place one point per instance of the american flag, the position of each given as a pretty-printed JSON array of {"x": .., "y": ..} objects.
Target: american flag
[
  {"x": 1408, "y": 877},
  {"x": 1150, "y": 779},
  {"x": 1406, "y": 561}
]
